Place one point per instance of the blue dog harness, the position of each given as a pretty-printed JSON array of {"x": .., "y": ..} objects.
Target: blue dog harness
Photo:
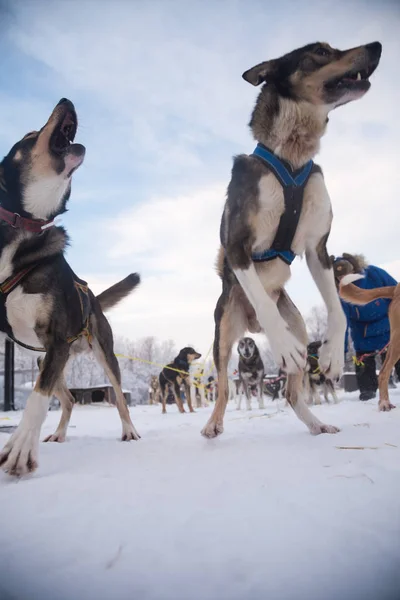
[{"x": 293, "y": 183}]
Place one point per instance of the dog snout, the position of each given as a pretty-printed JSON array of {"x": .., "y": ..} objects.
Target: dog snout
[{"x": 374, "y": 50}]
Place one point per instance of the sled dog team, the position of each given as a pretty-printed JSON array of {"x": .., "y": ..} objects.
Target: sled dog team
[{"x": 277, "y": 207}]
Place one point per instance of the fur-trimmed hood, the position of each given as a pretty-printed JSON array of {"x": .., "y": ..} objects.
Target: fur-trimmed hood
[{"x": 348, "y": 263}]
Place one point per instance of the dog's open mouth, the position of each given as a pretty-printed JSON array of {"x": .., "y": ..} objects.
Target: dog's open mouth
[
  {"x": 64, "y": 133},
  {"x": 357, "y": 79},
  {"x": 352, "y": 80}
]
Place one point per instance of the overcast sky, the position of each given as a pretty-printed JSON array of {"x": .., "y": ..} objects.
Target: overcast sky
[{"x": 163, "y": 108}]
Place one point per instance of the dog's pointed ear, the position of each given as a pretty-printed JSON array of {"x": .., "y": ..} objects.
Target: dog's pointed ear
[{"x": 259, "y": 73}]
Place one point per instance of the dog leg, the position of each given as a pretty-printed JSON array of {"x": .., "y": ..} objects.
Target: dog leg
[
  {"x": 20, "y": 455},
  {"x": 230, "y": 324},
  {"x": 188, "y": 395},
  {"x": 164, "y": 395},
  {"x": 103, "y": 348},
  {"x": 333, "y": 392},
  {"x": 67, "y": 403},
  {"x": 294, "y": 385},
  {"x": 307, "y": 389},
  {"x": 239, "y": 400},
  {"x": 316, "y": 394},
  {"x": 248, "y": 393},
  {"x": 261, "y": 395},
  {"x": 384, "y": 376},
  {"x": 176, "y": 390},
  {"x": 331, "y": 356},
  {"x": 288, "y": 351}
]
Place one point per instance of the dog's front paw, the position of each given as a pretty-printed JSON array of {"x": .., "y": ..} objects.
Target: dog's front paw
[
  {"x": 55, "y": 437},
  {"x": 331, "y": 358},
  {"x": 129, "y": 433},
  {"x": 20, "y": 455},
  {"x": 289, "y": 353},
  {"x": 318, "y": 428},
  {"x": 213, "y": 428},
  {"x": 385, "y": 405}
]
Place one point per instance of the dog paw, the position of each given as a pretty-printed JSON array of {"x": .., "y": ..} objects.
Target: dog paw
[
  {"x": 288, "y": 352},
  {"x": 212, "y": 429},
  {"x": 129, "y": 433},
  {"x": 20, "y": 455},
  {"x": 385, "y": 405},
  {"x": 56, "y": 437},
  {"x": 317, "y": 428},
  {"x": 331, "y": 358}
]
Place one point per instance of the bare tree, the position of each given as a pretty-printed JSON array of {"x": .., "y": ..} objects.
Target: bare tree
[{"x": 317, "y": 323}]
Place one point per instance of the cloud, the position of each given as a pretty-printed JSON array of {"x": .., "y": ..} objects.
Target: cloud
[{"x": 162, "y": 109}]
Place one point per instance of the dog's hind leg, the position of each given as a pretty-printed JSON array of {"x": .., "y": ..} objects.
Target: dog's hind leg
[
  {"x": 176, "y": 390},
  {"x": 230, "y": 324},
  {"x": 384, "y": 375},
  {"x": 294, "y": 385},
  {"x": 103, "y": 348},
  {"x": 66, "y": 399},
  {"x": 20, "y": 455}
]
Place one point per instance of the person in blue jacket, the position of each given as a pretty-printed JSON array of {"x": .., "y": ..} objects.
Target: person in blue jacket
[{"x": 368, "y": 325}]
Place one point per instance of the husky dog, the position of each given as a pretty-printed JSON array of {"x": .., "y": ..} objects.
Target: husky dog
[
  {"x": 251, "y": 372},
  {"x": 174, "y": 375},
  {"x": 315, "y": 379},
  {"x": 43, "y": 304},
  {"x": 154, "y": 390},
  {"x": 278, "y": 207}
]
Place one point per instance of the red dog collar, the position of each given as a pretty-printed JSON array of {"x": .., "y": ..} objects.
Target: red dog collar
[{"x": 18, "y": 222}]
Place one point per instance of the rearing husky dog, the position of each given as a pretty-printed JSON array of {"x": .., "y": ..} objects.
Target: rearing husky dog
[
  {"x": 277, "y": 207},
  {"x": 42, "y": 302}
]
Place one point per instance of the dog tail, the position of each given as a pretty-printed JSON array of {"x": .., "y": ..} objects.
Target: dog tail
[
  {"x": 118, "y": 291},
  {"x": 351, "y": 293}
]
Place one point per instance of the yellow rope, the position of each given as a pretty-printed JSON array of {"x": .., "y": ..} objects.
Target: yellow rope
[{"x": 149, "y": 362}]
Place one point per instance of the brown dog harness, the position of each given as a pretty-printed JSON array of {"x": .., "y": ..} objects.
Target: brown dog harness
[{"x": 15, "y": 280}]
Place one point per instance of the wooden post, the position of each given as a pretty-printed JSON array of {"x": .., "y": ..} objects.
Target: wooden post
[{"x": 9, "y": 376}]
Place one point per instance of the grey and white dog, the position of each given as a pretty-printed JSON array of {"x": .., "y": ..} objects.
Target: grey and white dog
[{"x": 251, "y": 372}]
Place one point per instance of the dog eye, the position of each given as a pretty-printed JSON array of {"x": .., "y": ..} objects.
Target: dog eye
[{"x": 321, "y": 51}]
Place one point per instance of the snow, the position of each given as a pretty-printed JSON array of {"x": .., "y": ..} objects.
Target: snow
[{"x": 265, "y": 511}]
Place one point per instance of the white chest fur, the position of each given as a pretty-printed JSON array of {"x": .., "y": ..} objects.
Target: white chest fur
[{"x": 23, "y": 313}]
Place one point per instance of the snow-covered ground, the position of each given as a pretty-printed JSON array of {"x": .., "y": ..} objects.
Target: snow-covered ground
[{"x": 266, "y": 511}]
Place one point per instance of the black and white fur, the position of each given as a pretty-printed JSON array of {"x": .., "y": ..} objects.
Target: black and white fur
[
  {"x": 290, "y": 116},
  {"x": 44, "y": 310},
  {"x": 251, "y": 372}
]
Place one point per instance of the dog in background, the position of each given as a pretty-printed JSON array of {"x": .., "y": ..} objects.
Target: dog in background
[
  {"x": 176, "y": 374},
  {"x": 43, "y": 305},
  {"x": 154, "y": 390},
  {"x": 278, "y": 207},
  {"x": 315, "y": 380},
  {"x": 351, "y": 293},
  {"x": 251, "y": 372},
  {"x": 199, "y": 390}
]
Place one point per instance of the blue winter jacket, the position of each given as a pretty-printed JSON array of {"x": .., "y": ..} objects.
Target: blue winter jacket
[{"x": 369, "y": 324}]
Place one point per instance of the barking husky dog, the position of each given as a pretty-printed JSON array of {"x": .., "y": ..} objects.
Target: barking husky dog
[
  {"x": 251, "y": 372},
  {"x": 278, "y": 207},
  {"x": 42, "y": 302}
]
